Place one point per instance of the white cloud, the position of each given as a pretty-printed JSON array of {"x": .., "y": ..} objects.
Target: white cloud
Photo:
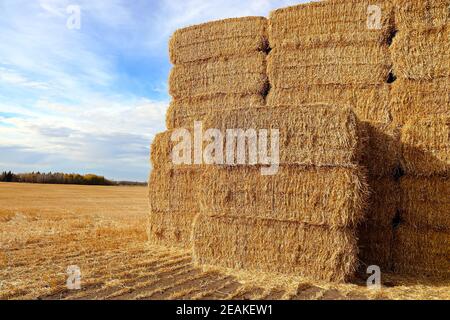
[
  {"x": 10, "y": 77},
  {"x": 104, "y": 138}
]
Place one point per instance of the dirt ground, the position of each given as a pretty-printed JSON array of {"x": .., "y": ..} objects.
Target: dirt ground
[{"x": 44, "y": 229}]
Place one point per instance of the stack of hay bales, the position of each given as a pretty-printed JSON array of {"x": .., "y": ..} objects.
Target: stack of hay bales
[
  {"x": 301, "y": 220},
  {"x": 326, "y": 57},
  {"x": 218, "y": 66},
  {"x": 421, "y": 108},
  {"x": 328, "y": 52},
  {"x": 324, "y": 52}
]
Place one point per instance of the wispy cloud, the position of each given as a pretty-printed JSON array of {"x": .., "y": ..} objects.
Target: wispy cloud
[{"x": 10, "y": 77}]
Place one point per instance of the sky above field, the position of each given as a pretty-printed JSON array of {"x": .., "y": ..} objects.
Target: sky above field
[{"x": 91, "y": 99}]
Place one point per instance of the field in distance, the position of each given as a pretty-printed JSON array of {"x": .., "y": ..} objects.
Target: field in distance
[{"x": 44, "y": 229}]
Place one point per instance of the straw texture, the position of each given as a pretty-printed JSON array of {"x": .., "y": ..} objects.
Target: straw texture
[
  {"x": 376, "y": 233},
  {"x": 275, "y": 247},
  {"x": 375, "y": 247},
  {"x": 228, "y": 37},
  {"x": 174, "y": 189},
  {"x": 321, "y": 135},
  {"x": 328, "y": 21},
  {"x": 333, "y": 197},
  {"x": 161, "y": 151},
  {"x": 307, "y": 136},
  {"x": 419, "y": 99},
  {"x": 383, "y": 202},
  {"x": 171, "y": 229},
  {"x": 421, "y": 14},
  {"x": 173, "y": 200},
  {"x": 426, "y": 202},
  {"x": 426, "y": 145},
  {"x": 422, "y": 252},
  {"x": 345, "y": 65},
  {"x": 311, "y": 217},
  {"x": 422, "y": 54},
  {"x": 370, "y": 103},
  {"x": 382, "y": 150},
  {"x": 237, "y": 75},
  {"x": 183, "y": 112}
]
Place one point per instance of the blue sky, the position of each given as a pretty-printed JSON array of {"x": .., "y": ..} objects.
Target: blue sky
[{"x": 90, "y": 100}]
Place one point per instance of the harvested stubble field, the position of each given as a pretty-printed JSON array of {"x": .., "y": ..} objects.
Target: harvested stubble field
[{"x": 46, "y": 228}]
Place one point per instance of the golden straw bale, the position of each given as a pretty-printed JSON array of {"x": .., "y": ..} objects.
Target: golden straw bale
[
  {"x": 336, "y": 21},
  {"x": 239, "y": 75},
  {"x": 426, "y": 202},
  {"x": 275, "y": 247},
  {"x": 382, "y": 151},
  {"x": 383, "y": 202},
  {"x": 174, "y": 189},
  {"x": 183, "y": 112},
  {"x": 375, "y": 246},
  {"x": 349, "y": 65},
  {"x": 315, "y": 134},
  {"x": 426, "y": 145},
  {"x": 422, "y": 54},
  {"x": 422, "y": 252},
  {"x": 229, "y": 37},
  {"x": 417, "y": 14},
  {"x": 320, "y": 135},
  {"x": 334, "y": 197},
  {"x": 370, "y": 103},
  {"x": 161, "y": 150},
  {"x": 420, "y": 98},
  {"x": 171, "y": 229}
]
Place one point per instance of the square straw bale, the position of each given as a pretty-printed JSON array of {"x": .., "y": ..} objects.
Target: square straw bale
[
  {"x": 321, "y": 135},
  {"x": 422, "y": 54},
  {"x": 333, "y": 197},
  {"x": 317, "y": 23},
  {"x": 339, "y": 65},
  {"x": 183, "y": 112},
  {"x": 271, "y": 246},
  {"x": 421, "y": 252},
  {"x": 222, "y": 38},
  {"x": 236, "y": 75},
  {"x": 369, "y": 102}
]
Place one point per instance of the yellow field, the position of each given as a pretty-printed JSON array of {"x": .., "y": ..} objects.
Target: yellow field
[{"x": 46, "y": 228}]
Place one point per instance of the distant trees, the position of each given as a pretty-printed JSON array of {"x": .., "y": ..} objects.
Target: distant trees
[
  {"x": 8, "y": 177},
  {"x": 55, "y": 178}
]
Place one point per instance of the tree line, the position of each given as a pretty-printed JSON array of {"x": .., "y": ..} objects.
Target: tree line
[{"x": 62, "y": 178}]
